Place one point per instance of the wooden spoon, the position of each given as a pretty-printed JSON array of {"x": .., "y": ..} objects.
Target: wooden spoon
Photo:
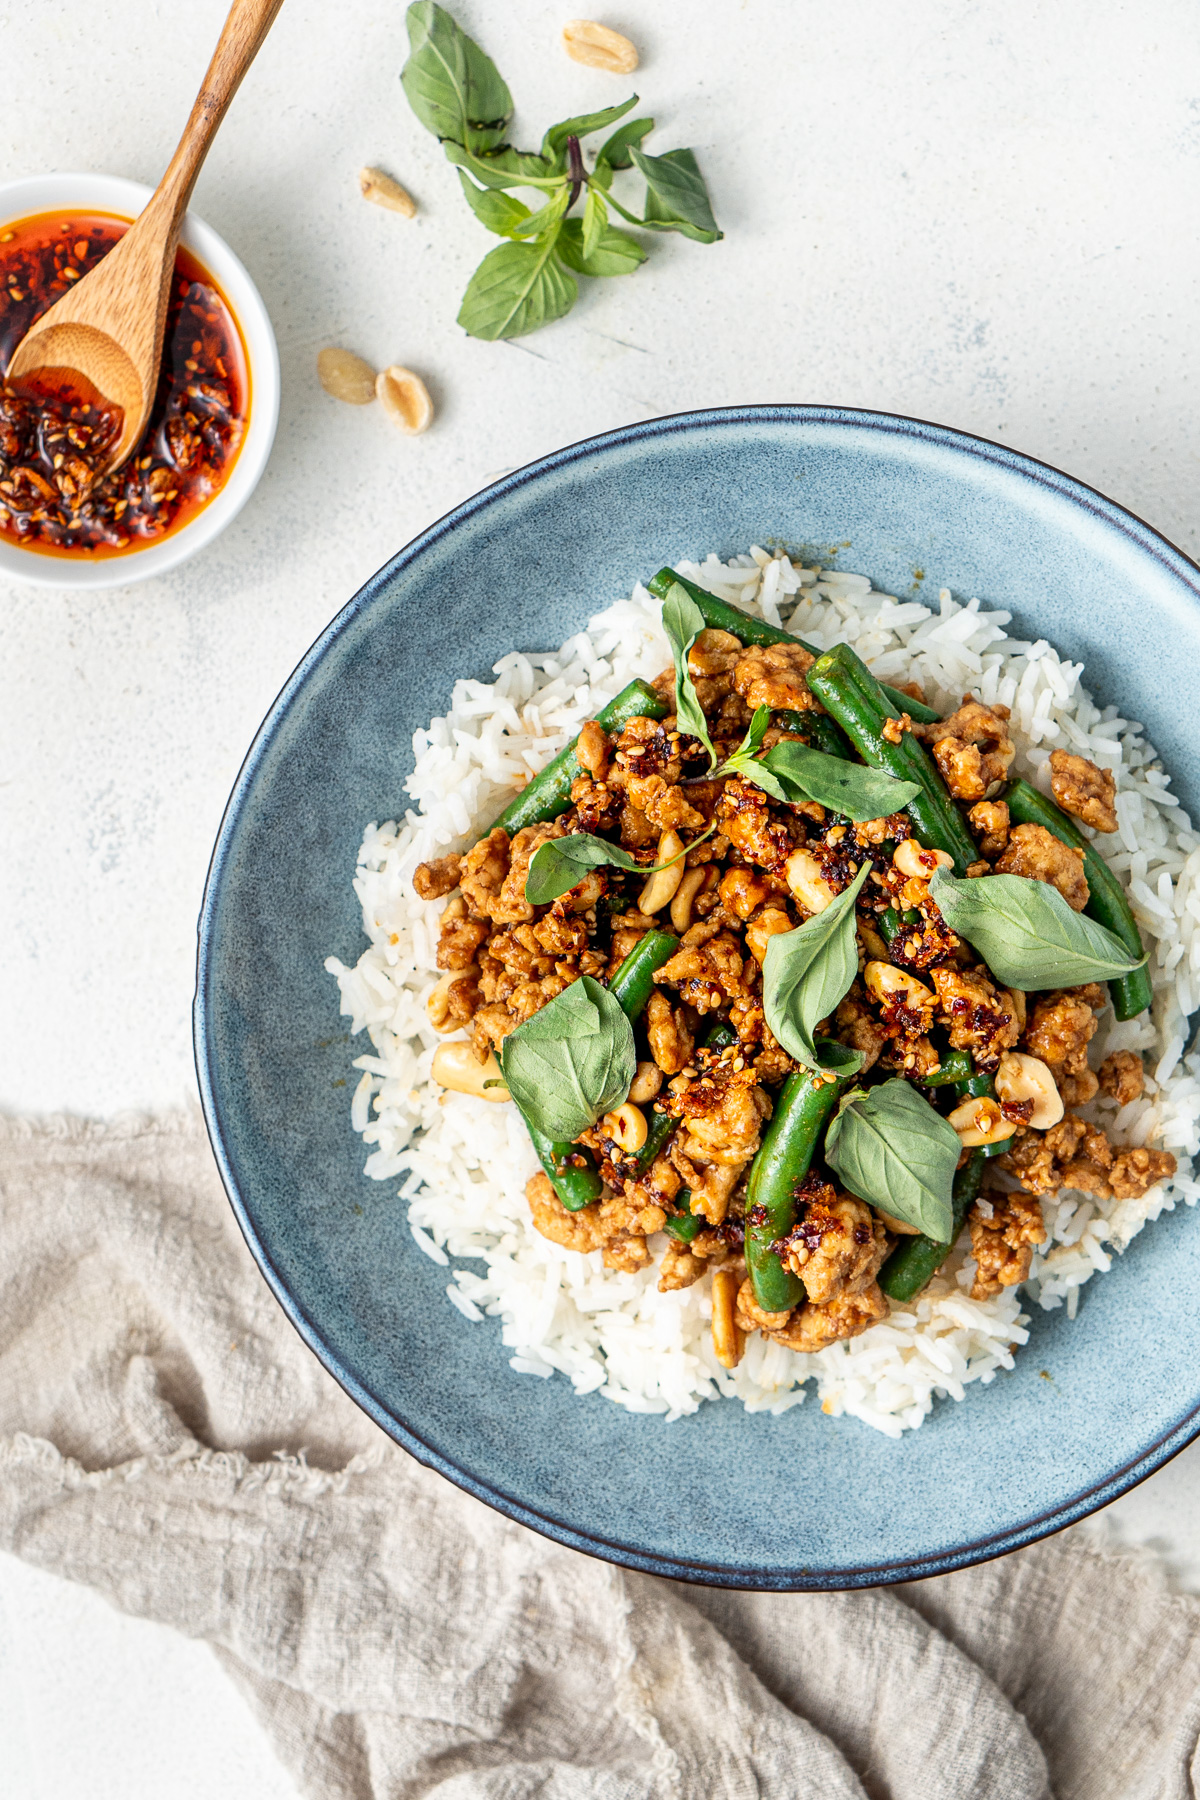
[{"x": 104, "y": 338}]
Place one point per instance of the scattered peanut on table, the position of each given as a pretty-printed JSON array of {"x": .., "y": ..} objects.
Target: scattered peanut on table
[
  {"x": 599, "y": 47},
  {"x": 381, "y": 190},
  {"x": 346, "y": 376}
]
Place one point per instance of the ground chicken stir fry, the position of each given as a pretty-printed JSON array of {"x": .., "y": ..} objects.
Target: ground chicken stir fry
[{"x": 741, "y": 868}]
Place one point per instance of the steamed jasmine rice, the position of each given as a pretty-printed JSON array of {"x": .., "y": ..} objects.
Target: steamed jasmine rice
[{"x": 460, "y": 1165}]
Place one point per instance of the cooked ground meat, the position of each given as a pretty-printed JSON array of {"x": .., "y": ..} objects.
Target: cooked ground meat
[
  {"x": 1083, "y": 789},
  {"x": 432, "y": 880},
  {"x": 1122, "y": 1076},
  {"x": 1004, "y": 1230},
  {"x": 980, "y": 1017},
  {"x": 773, "y": 675},
  {"x": 990, "y": 821},
  {"x": 1038, "y": 855},
  {"x": 972, "y": 749}
]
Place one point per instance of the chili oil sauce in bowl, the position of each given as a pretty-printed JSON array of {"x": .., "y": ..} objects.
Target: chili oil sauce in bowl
[{"x": 211, "y": 426}]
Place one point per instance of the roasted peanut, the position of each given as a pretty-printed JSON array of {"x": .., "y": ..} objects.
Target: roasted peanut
[
  {"x": 626, "y": 1127},
  {"x": 664, "y": 883},
  {"x": 598, "y": 47},
  {"x": 886, "y": 983},
  {"x": 728, "y": 1341},
  {"x": 980, "y": 1121},
  {"x": 806, "y": 881},
  {"x": 346, "y": 377},
  {"x": 647, "y": 1081},
  {"x": 911, "y": 859},
  {"x": 381, "y": 190},
  {"x": 455, "y": 1067},
  {"x": 685, "y": 897},
  {"x": 1023, "y": 1077},
  {"x": 405, "y": 399}
]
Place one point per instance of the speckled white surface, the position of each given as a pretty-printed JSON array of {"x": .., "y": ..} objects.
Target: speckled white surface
[{"x": 982, "y": 214}]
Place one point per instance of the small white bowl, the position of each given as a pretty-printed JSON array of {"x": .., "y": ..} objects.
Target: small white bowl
[{"x": 113, "y": 194}]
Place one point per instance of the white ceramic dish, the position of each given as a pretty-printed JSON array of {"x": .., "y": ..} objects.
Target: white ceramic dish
[{"x": 113, "y": 194}]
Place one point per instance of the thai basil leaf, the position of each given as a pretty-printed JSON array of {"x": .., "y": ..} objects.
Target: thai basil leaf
[
  {"x": 499, "y": 212},
  {"x": 515, "y": 289},
  {"x": 571, "y": 1061},
  {"x": 595, "y": 218},
  {"x": 844, "y": 787},
  {"x": 1027, "y": 934},
  {"x": 454, "y": 88},
  {"x": 892, "y": 1149},
  {"x": 616, "y": 253},
  {"x": 683, "y": 622},
  {"x": 502, "y": 168},
  {"x": 557, "y": 135},
  {"x": 676, "y": 197},
  {"x": 615, "y": 153},
  {"x": 546, "y": 218},
  {"x": 561, "y": 863},
  {"x": 807, "y": 971}
]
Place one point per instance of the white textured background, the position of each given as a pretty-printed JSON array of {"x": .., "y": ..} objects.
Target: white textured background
[{"x": 982, "y": 212}]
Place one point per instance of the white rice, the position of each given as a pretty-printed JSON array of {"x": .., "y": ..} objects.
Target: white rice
[{"x": 463, "y": 1163}]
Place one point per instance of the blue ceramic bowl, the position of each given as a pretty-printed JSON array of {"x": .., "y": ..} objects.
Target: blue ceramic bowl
[{"x": 801, "y": 1501}]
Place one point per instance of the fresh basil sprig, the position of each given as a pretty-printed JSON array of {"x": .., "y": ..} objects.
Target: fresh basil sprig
[
  {"x": 1027, "y": 934},
  {"x": 683, "y": 622},
  {"x": 560, "y": 864},
  {"x": 571, "y": 1061},
  {"x": 459, "y": 95},
  {"x": 891, "y": 1148},
  {"x": 806, "y": 972}
]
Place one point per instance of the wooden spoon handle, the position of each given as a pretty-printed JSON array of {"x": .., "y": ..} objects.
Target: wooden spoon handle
[{"x": 240, "y": 42}]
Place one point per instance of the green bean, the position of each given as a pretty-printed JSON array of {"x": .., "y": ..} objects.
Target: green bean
[
  {"x": 805, "y": 1102},
  {"x": 686, "y": 1226},
  {"x": 846, "y": 688},
  {"x": 954, "y": 1067},
  {"x": 549, "y": 792},
  {"x": 1107, "y": 903},
  {"x": 916, "y": 1260},
  {"x": 661, "y": 1128},
  {"x": 720, "y": 616},
  {"x": 633, "y": 983},
  {"x": 818, "y": 731},
  {"x": 720, "y": 1035},
  {"x": 889, "y": 921},
  {"x": 572, "y": 1176}
]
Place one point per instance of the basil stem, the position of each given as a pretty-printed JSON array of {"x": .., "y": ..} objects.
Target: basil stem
[
  {"x": 805, "y": 1102},
  {"x": 720, "y": 616},
  {"x": 549, "y": 792},
  {"x": 916, "y": 1260},
  {"x": 1108, "y": 903}
]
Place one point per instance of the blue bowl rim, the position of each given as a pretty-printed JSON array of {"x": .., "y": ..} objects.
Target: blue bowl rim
[{"x": 801, "y": 1579}]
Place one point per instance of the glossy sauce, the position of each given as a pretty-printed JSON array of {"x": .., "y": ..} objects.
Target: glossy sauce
[{"x": 52, "y": 443}]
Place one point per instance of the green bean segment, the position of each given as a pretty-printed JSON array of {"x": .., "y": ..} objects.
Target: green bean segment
[
  {"x": 805, "y": 1102},
  {"x": 720, "y": 616},
  {"x": 686, "y": 1226},
  {"x": 572, "y": 1175},
  {"x": 955, "y": 1067},
  {"x": 633, "y": 983},
  {"x": 549, "y": 792},
  {"x": 916, "y": 1260},
  {"x": 1107, "y": 903}
]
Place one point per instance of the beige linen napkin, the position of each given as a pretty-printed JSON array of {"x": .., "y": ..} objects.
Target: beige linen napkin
[{"x": 166, "y": 1438}]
